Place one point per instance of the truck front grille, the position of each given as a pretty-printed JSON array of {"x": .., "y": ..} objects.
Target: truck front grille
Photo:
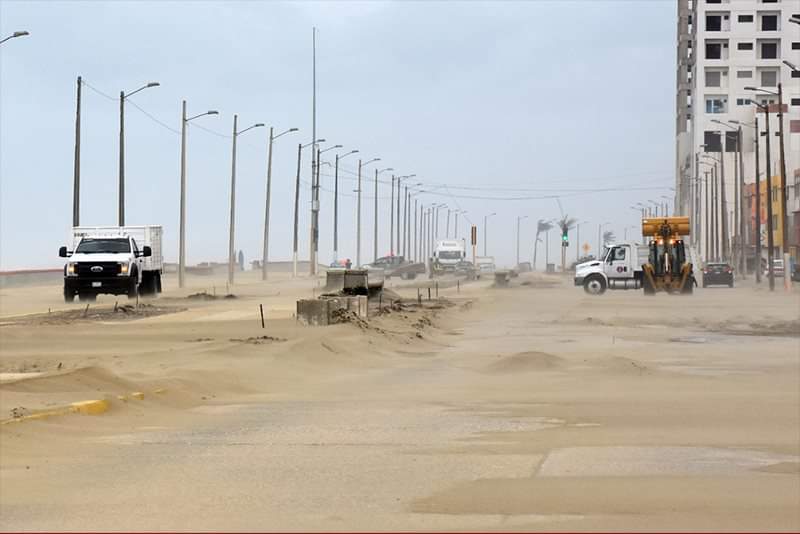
[{"x": 106, "y": 269}]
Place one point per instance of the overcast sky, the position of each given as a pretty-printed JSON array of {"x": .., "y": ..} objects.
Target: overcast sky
[{"x": 496, "y": 100}]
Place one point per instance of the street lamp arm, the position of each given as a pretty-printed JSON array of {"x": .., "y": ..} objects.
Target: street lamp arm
[
  {"x": 330, "y": 148},
  {"x": 760, "y": 90},
  {"x": 142, "y": 88},
  {"x": 290, "y": 130},
  {"x": 349, "y": 153},
  {"x": 210, "y": 112},
  {"x": 256, "y": 125},
  {"x": 312, "y": 142},
  {"x": 15, "y": 34}
]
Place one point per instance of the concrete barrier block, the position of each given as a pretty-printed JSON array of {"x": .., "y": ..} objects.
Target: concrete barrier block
[
  {"x": 313, "y": 312},
  {"x": 335, "y": 279}
]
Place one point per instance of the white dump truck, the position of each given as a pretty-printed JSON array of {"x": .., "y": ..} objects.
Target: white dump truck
[
  {"x": 115, "y": 260},
  {"x": 447, "y": 254}
]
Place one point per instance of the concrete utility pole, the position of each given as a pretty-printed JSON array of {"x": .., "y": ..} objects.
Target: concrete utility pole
[
  {"x": 336, "y": 204},
  {"x": 787, "y": 279},
  {"x": 375, "y": 224},
  {"x": 76, "y": 172},
  {"x": 312, "y": 260},
  {"x": 405, "y": 223},
  {"x": 233, "y": 203},
  {"x": 313, "y": 245},
  {"x": 358, "y": 210},
  {"x": 391, "y": 219},
  {"x": 398, "y": 213},
  {"x": 122, "y": 97},
  {"x": 300, "y": 148},
  {"x": 231, "y": 250},
  {"x": 182, "y": 237},
  {"x": 415, "y": 232},
  {"x": 265, "y": 251},
  {"x": 742, "y": 211}
]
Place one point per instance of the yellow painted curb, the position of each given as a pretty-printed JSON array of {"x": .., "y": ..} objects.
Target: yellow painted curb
[{"x": 90, "y": 407}]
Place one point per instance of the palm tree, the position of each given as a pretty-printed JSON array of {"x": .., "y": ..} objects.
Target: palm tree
[
  {"x": 541, "y": 226},
  {"x": 609, "y": 237}
]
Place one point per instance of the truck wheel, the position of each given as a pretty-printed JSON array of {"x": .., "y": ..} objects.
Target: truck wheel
[
  {"x": 69, "y": 296},
  {"x": 132, "y": 288},
  {"x": 594, "y": 285},
  {"x": 87, "y": 297},
  {"x": 158, "y": 283}
]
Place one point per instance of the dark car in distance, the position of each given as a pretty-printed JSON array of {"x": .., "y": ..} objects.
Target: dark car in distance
[{"x": 718, "y": 274}]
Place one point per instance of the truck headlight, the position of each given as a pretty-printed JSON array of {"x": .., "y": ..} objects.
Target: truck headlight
[
  {"x": 71, "y": 269},
  {"x": 123, "y": 269}
]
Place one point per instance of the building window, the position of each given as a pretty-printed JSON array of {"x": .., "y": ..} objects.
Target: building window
[
  {"x": 769, "y": 50},
  {"x": 713, "y": 1},
  {"x": 744, "y": 46},
  {"x": 713, "y": 50},
  {"x": 716, "y": 104},
  {"x": 796, "y": 101},
  {"x": 713, "y": 78},
  {"x": 769, "y": 23},
  {"x": 796, "y": 74},
  {"x": 744, "y": 73},
  {"x": 713, "y": 23},
  {"x": 795, "y": 46},
  {"x": 769, "y": 78},
  {"x": 743, "y": 101},
  {"x": 745, "y": 18}
]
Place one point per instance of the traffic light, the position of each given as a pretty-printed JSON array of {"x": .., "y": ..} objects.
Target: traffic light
[{"x": 564, "y": 238}]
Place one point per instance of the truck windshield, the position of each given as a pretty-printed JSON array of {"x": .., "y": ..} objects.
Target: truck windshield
[
  {"x": 450, "y": 254},
  {"x": 101, "y": 246}
]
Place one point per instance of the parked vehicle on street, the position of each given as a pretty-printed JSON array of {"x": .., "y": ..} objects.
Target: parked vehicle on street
[
  {"x": 717, "y": 274},
  {"x": 112, "y": 260},
  {"x": 777, "y": 268},
  {"x": 397, "y": 266}
]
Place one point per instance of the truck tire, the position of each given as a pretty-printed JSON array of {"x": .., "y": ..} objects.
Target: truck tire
[
  {"x": 87, "y": 297},
  {"x": 158, "y": 283},
  {"x": 594, "y": 285},
  {"x": 132, "y": 286},
  {"x": 69, "y": 296}
]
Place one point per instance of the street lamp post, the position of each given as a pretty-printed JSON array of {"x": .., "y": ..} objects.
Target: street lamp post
[
  {"x": 182, "y": 237},
  {"x": 13, "y": 35},
  {"x": 265, "y": 251},
  {"x": 787, "y": 283},
  {"x": 315, "y": 205},
  {"x": 757, "y": 225},
  {"x": 231, "y": 251},
  {"x": 519, "y": 218},
  {"x": 770, "y": 229},
  {"x": 358, "y": 210},
  {"x": 375, "y": 225},
  {"x": 485, "y": 233},
  {"x": 300, "y": 148},
  {"x": 122, "y": 97},
  {"x": 336, "y": 204}
]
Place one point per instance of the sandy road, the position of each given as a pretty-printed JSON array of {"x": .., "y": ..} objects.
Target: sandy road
[{"x": 531, "y": 408}]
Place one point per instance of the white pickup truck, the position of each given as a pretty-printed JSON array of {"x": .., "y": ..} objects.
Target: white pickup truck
[{"x": 111, "y": 259}]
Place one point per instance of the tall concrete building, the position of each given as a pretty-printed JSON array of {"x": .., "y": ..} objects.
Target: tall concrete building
[{"x": 724, "y": 47}]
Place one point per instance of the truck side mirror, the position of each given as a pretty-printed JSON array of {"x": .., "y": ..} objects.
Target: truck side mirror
[
  {"x": 147, "y": 251},
  {"x": 62, "y": 252}
]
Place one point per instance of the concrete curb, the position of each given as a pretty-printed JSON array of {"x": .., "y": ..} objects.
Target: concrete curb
[{"x": 88, "y": 407}]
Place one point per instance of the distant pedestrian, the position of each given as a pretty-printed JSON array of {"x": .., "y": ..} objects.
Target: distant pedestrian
[{"x": 241, "y": 260}]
